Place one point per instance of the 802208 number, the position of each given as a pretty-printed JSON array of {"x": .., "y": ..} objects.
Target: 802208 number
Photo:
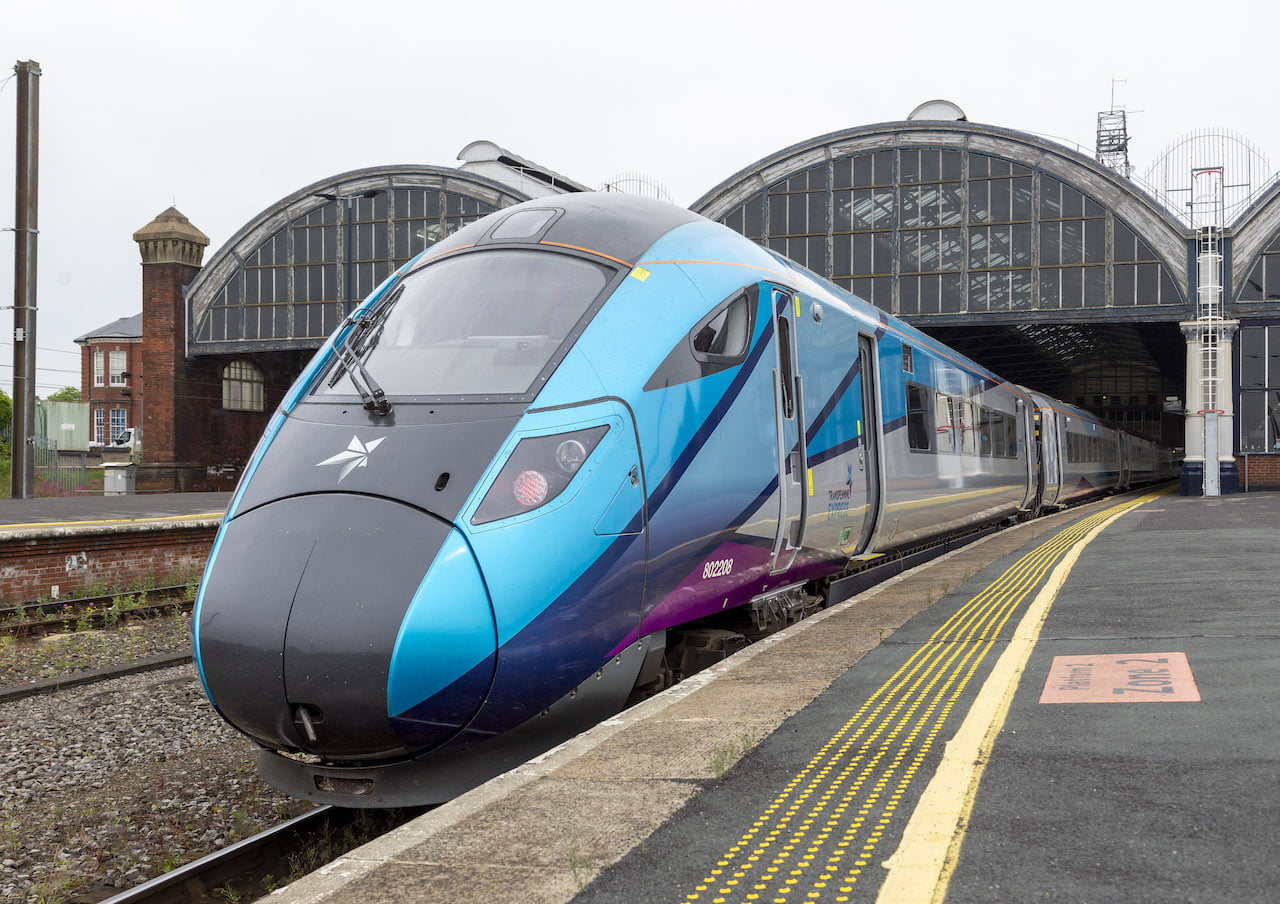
[{"x": 717, "y": 568}]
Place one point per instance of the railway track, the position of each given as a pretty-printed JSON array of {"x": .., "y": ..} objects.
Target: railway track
[
  {"x": 41, "y": 617},
  {"x": 250, "y": 868}
]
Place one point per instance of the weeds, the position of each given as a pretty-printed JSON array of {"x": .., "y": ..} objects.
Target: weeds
[{"x": 723, "y": 756}]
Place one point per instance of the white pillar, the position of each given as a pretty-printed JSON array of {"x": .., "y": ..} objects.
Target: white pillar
[{"x": 1194, "y": 395}]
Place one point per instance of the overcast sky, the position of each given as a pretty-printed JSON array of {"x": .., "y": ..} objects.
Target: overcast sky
[{"x": 224, "y": 108}]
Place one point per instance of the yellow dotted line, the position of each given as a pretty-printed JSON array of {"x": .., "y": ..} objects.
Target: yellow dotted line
[{"x": 929, "y": 683}]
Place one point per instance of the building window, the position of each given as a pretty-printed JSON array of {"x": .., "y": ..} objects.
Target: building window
[
  {"x": 242, "y": 385},
  {"x": 119, "y": 421},
  {"x": 99, "y": 368},
  {"x": 117, "y": 361},
  {"x": 1258, "y": 411},
  {"x": 99, "y": 423}
]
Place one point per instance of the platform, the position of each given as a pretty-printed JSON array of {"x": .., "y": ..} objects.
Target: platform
[
  {"x": 61, "y": 510},
  {"x": 1078, "y": 709}
]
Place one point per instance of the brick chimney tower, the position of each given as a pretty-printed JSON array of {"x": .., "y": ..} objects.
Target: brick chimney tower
[{"x": 172, "y": 250}]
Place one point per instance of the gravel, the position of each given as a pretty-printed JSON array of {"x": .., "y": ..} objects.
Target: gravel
[{"x": 105, "y": 786}]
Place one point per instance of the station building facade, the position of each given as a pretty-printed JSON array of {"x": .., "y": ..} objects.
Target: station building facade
[{"x": 1037, "y": 261}]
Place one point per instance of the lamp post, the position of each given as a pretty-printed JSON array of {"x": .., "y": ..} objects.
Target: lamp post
[{"x": 348, "y": 296}]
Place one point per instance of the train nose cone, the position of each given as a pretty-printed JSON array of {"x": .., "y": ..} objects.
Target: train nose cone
[{"x": 300, "y": 615}]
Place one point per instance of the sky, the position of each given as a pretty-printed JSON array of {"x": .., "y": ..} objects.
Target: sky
[{"x": 222, "y": 109}]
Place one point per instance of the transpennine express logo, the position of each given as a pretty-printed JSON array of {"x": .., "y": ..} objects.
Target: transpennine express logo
[{"x": 356, "y": 455}]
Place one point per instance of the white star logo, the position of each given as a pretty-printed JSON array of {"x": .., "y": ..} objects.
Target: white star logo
[{"x": 356, "y": 455}]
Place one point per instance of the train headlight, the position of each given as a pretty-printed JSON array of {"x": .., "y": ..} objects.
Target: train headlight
[{"x": 538, "y": 471}]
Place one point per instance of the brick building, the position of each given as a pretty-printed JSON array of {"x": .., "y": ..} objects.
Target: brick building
[{"x": 110, "y": 362}]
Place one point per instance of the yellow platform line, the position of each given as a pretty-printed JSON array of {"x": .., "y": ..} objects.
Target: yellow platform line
[
  {"x": 832, "y": 815},
  {"x": 921, "y": 869},
  {"x": 36, "y": 524}
]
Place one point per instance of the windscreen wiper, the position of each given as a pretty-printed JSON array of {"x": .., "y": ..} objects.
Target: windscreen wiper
[{"x": 371, "y": 394}]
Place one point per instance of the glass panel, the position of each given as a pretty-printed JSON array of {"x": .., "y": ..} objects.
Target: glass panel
[
  {"x": 1123, "y": 242},
  {"x": 929, "y": 294},
  {"x": 1000, "y": 200},
  {"x": 777, "y": 214},
  {"x": 909, "y": 165},
  {"x": 1252, "y": 288},
  {"x": 884, "y": 205},
  {"x": 979, "y": 202},
  {"x": 863, "y": 209},
  {"x": 797, "y": 215},
  {"x": 883, "y": 252},
  {"x": 1022, "y": 194},
  {"x": 1124, "y": 284},
  {"x": 1168, "y": 291},
  {"x": 930, "y": 165},
  {"x": 952, "y": 301},
  {"x": 950, "y": 204},
  {"x": 951, "y": 165},
  {"x": 977, "y": 292},
  {"x": 1021, "y": 248},
  {"x": 842, "y": 173},
  {"x": 1050, "y": 293},
  {"x": 908, "y": 295},
  {"x": 475, "y": 324},
  {"x": 978, "y": 240},
  {"x": 978, "y": 166},
  {"x": 753, "y": 217},
  {"x": 884, "y": 168},
  {"x": 1072, "y": 287},
  {"x": 1072, "y": 241},
  {"x": 910, "y": 206},
  {"x": 1020, "y": 290},
  {"x": 862, "y": 174},
  {"x": 951, "y": 249},
  {"x": 1253, "y": 358},
  {"x": 1148, "y": 284},
  {"x": 1050, "y": 197},
  {"x": 1095, "y": 287},
  {"x": 861, "y": 253},
  {"x": 1050, "y": 244},
  {"x": 1000, "y": 251},
  {"x": 1253, "y": 417},
  {"x": 1273, "y": 356},
  {"x": 1095, "y": 241},
  {"x": 842, "y": 263},
  {"x": 910, "y": 252},
  {"x": 842, "y": 214},
  {"x": 1072, "y": 202}
]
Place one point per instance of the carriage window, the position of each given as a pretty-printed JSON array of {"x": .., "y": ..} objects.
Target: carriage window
[
  {"x": 717, "y": 342},
  {"x": 724, "y": 334},
  {"x": 919, "y": 419},
  {"x": 908, "y": 359}
]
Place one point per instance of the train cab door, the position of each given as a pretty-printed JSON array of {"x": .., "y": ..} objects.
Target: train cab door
[
  {"x": 788, "y": 401},
  {"x": 868, "y": 453}
]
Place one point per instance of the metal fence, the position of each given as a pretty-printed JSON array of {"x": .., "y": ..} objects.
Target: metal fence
[{"x": 57, "y": 472}]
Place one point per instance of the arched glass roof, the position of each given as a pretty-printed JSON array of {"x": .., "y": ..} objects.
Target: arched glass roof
[
  {"x": 949, "y": 222},
  {"x": 287, "y": 279}
]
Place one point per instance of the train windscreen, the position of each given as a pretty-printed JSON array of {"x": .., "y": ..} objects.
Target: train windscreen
[{"x": 479, "y": 324}]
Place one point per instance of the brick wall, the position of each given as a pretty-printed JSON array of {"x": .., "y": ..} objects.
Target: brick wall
[
  {"x": 1259, "y": 471},
  {"x": 163, "y": 342},
  {"x": 32, "y": 563}
]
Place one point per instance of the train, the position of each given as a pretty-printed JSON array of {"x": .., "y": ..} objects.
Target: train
[{"x": 563, "y": 457}]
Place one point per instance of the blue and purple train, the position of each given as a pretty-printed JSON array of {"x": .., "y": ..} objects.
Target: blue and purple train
[{"x": 531, "y": 469}]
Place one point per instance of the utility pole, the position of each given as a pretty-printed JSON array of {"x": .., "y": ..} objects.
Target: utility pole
[{"x": 22, "y": 475}]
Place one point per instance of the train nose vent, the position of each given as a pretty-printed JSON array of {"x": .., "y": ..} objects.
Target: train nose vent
[{"x": 306, "y": 717}]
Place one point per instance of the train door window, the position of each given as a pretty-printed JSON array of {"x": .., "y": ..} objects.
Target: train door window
[
  {"x": 717, "y": 342},
  {"x": 997, "y": 435},
  {"x": 919, "y": 419},
  {"x": 784, "y": 361},
  {"x": 966, "y": 426},
  {"x": 946, "y": 423}
]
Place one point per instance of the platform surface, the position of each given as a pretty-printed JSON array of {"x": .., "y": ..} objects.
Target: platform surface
[
  {"x": 1080, "y": 709},
  {"x": 58, "y": 510}
]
